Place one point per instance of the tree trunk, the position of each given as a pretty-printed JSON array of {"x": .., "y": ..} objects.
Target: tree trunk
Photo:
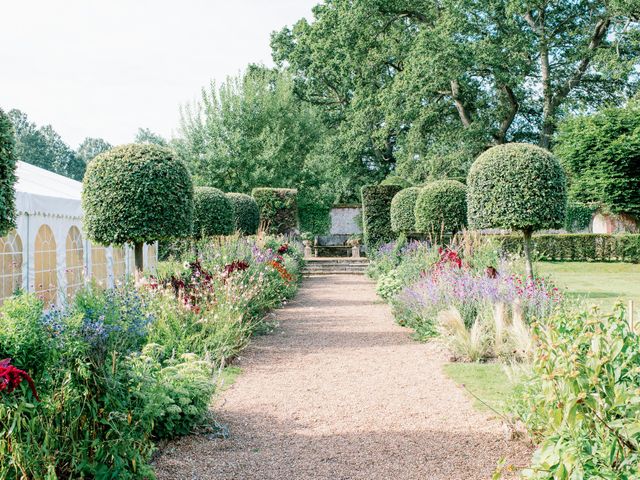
[
  {"x": 139, "y": 258},
  {"x": 527, "y": 253}
]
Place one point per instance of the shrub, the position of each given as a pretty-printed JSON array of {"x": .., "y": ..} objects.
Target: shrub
[
  {"x": 396, "y": 180},
  {"x": 278, "y": 208},
  {"x": 137, "y": 194},
  {"x": 601, "y": 154},
  {"x": 580, "y": 399},
  {"x": 441, "y": 207},
  {"x": 212, "y": 213},
  {"x": 403, "y": 219},
  {"x": 315, "y": 212},
  {"x": 376, "y": 213},
  {"x": 7, "y": 174},
  {"x": 578, "y": 217},
  {"x": 517, "y": 186},
  {"x": 246, "y": 213},
  {"x": 579, "y": 247}
]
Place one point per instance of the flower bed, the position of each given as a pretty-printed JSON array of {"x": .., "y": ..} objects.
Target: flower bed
[{"x": 89, "y": 388}]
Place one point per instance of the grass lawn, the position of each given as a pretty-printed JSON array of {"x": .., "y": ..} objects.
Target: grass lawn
[
  {"x": 599, "y": 283},
  {"x": 486, "y": 381}
]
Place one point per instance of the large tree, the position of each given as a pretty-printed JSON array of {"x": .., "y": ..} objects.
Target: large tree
[
  {"x": 430, "y": 84},
  {"x": 252, "y": 132},
  {"x": 90, "y": 148}
]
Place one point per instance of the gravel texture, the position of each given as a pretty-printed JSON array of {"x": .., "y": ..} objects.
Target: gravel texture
[{"x": 339, "y": 391}]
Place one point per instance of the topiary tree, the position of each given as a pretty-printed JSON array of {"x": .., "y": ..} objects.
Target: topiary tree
[
  {"x": 246, "y": 213},
  {"x": 519, "y": 187},
  {"x": 403, "y": 219},
  {"x": 278, "y": 208},
  {"x": 7, "y": 175},
  {"x": 601, "y": 154},
  {"x": 441, "y": 207},
  {"x": 212, "y": 213},
  {"x": 376, "y": 213},
  {"x": 137, "y": 194}
]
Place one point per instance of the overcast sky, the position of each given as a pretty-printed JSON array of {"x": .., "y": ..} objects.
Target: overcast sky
[{"x": 96, "y": 68}]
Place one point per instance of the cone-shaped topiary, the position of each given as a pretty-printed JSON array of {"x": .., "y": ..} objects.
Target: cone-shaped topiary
[
  {"x": 403, "y": 219},
  {"x": 441, "y": 207},
  {"x": 246, "y": 213},
  {"x": 137, "y": 194},
  {"x": 7, "y": 175},
  {"x": 519, "y": 187},
  {"x": 212, "y": 213}
]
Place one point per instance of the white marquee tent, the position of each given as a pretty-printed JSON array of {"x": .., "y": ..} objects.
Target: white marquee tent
[{"x": 48, "y": 252}]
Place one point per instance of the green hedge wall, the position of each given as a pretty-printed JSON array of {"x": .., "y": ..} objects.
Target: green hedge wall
[
  {"x": 403, "y": 219},
  {"x": 578, "y": 247},
  {"x": 246, "y": 213},
  {"x": 376, "y": 213},
  {"x": 212, "y": 213},
  {"x": 278, "y": 208}
]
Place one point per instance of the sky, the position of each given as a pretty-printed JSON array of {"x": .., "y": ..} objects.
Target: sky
[{"x": 96, "y": 68}]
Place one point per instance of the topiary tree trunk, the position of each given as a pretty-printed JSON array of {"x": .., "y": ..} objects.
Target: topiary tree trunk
[
  {"x": 527, "y": 252},
  {"x": 139, "y": 257}
]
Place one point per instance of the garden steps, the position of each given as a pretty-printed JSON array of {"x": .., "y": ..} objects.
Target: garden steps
[{"x": 335, "y": 266}]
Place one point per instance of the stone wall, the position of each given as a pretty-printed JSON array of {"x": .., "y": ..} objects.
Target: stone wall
[
  {"x": 343, "y": 220},
  {"x": 608, "y": 223}
]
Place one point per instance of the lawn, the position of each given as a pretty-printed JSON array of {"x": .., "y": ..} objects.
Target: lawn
[
  {"x": 486, "y": 383},
  {"x": 596, "y": 283}
]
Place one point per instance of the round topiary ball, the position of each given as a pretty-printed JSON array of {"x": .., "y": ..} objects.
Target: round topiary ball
[
  {"x": 403, "y": 219},
  {"x": 441, "y": 207},
  {"x": 212, "y": 213},
  {"x": 516, "y": 186},
  {"x": 246, "y": 213},
  {"x": 137, "y": 194}
]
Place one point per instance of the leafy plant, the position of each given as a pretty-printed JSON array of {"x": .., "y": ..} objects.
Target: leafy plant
[
  {"x": 245, "y": 212},
  {"x": 403, "y": 219},
  {"x": 213, "y": 213},
  {"x": 376, "y": 214}
]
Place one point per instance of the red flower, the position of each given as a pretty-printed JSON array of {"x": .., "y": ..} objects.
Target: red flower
[
  {"x": 11, "y": 377},
  {"x": 284, "y": 248}
]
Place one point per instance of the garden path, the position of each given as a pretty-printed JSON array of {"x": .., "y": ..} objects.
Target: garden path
[{"x": 339, "y": 391}]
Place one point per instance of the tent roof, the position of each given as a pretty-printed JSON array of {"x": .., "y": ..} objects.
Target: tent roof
[{"x": 41, "y": 192}]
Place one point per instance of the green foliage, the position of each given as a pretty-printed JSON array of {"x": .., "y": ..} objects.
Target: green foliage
[
  {"x": 441, "y": 206},
  {"x": 516, "y": 186},
  {"x": 403, "y": 219},
  {"x": 245, "y": 212},
  {"x": 315, "y": 212},
  {"x": 213, "y": 213},
  {"x": 7, "y": 174},
  {"x": 376, "y": 213},
  {"x": 580, "y": 401},
  {"x": 581, "y": 247},
  {"x": 90, "y": 148},
  {"x": 137, "y": 193},
  {"x": 396, "y": 180},
  {"x": 578, "y": 217},
  {"x": 44, "y": 148},
  {"x": 146, "y": 136},
  {"x": 601, "y": 154},
  {"x": 278, "y": 208}
]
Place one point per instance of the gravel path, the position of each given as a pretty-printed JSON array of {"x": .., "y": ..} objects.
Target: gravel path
[{"x": 341, "y": 392}]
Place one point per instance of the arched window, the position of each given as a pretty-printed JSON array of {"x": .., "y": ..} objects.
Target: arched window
[
  {"x": 152, "y": 258},
  {"x": 46, "y": 271},
  {"x": 10, "y": 264},
  {"x": 75, "y": 261},
  {"x": 99, "y": 265},
  {"x": 119, "y": 266}
]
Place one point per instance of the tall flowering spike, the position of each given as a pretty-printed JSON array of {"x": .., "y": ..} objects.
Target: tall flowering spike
[{"x": 11, "y": 377}]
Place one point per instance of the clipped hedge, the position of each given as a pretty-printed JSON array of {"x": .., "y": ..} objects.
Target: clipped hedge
[
  {"x": 246, "y": 213},
  {"x": 213, "y": 213},
  {"x": 579, "y": 247},
  {"x": 441, "y": 207},
  {"x": 278, "y": 208},
  {"x": 136, "y": 194},
  {"x": 7, "y": 175},
  {"x": 376, "y": 213},
  {"x": 516, "y": 186},
  {"x": 403, "y": 219}
]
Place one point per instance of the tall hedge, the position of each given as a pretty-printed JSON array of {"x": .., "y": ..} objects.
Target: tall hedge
[
  {"x": 7, "y": 175},
  {"x": 245, "y": 212},
  {"x": 376, "y": 213},
  {"x": 278, "y": 208},
  {"x": 441, "y": 207},
  {"x": 137, "y": 194},
  {"x": 601, "y": 154},
  {"x": 517, "y": 186},
  {"x": 403, "y": 219},
  {"x": 212, "y": 213}
]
